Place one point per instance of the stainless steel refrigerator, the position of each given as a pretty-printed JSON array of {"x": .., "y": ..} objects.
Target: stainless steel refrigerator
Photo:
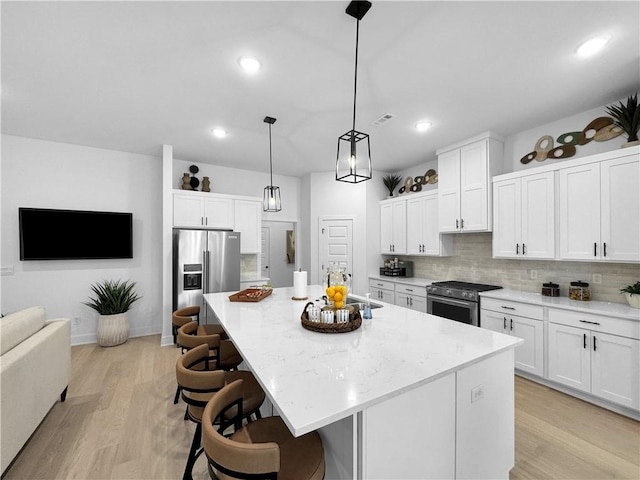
[{"x": 204, "y": 261}]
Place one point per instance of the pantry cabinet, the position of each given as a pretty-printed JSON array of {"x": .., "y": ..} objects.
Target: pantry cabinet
[
  {"x": 248, "y": 221},
  {"x": 522, "y": 321},
  {"x": 193, "y": 210},
  {"x": 464, "y": 184},
  {"x": 423, "y": 236},
  {"x": 598, "y": 210},
  {"x": 597, "y": 355},
  {"x": 524, "y": 216},
  {"x": 393, "y": 226}
]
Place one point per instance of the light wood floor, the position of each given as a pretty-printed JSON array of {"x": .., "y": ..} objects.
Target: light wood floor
[{"x": 119, "y": 422}]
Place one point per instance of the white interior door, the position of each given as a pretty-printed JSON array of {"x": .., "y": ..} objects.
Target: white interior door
[
  {"x": 264, "y": 252},
  {"x": 336, "y": 245}
]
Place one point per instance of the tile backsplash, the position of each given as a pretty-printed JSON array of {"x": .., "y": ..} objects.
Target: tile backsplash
[{"x": 472, "y": 262}]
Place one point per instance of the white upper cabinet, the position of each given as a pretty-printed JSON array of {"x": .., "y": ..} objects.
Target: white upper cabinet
[
  {"x": 524, "y": 217},
  {"x": 464, "y": 184},
  {"x": 423, "y": 237},
  {"x": 598, "y": 210},
  {"x": 393, "y": 226},
  {"x": 202, "y": 210}
]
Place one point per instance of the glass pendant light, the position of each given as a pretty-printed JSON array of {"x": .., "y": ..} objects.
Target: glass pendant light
[
  {"x": 353, "y": 164},
  {"x": 271, "y": 201}
]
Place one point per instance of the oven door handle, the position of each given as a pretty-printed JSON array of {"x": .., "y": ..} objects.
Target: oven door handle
[{"x": 451, "y": 301}]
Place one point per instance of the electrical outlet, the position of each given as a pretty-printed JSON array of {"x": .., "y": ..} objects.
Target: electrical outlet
[
  {"x": 6, "y": 270},
  {"x": 533, "y": 274},
  {"x": 597, "y": 278},
  {"x": 76, "y": 321},
  {"x": 477, "y": 393}
]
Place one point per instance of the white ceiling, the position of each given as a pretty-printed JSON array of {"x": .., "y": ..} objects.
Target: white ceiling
[{"x": 132, "y": 76}]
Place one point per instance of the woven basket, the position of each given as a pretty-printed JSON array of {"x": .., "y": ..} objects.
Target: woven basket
[{"x": 355, "y": 320}]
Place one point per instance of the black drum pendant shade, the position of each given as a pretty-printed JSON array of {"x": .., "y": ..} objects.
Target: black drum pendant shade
[
  {"x": 353, "y": 164},
  {"x": 271, "y": 201}
]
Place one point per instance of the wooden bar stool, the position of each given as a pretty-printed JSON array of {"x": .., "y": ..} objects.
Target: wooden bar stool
[
  {"x": 198, "y": 385},
  {"x": 264, "y": 448}
]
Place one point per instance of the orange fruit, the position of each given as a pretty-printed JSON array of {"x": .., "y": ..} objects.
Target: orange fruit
[
  {"x": 337, "y": 297},
  {"x": 339, "y": 304},
  {"x": 331, "y": 292}
]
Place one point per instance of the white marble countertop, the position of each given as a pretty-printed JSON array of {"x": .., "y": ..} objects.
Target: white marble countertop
[
  {"x": 618, "y": 310},
  {"x": 314, "y": 379},
  {"x": 420, "y": 282}
]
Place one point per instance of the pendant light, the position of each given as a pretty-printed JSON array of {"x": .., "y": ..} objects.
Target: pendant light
[
  {"x": 354, "y": 149},
  {"x": 271, "y": 201}
]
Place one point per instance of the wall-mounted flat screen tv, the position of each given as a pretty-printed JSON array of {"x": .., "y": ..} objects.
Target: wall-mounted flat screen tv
[{"x": 48, "y": 234}]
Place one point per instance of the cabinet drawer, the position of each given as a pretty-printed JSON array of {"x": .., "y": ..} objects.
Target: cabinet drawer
[
  {"x": 413, "y": 290},
  {"x": 385, "y": 284},
  {"x": 596, "y": 323},
  {"x": 513, "y": 308}
]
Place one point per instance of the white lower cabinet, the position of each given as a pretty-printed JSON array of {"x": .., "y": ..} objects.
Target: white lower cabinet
[
  {"x": 585, "y": 354},
  {"x": 410, "y": 296},
  {"x": 382, "y": 290},
  {"x": 529, "y": 357}
]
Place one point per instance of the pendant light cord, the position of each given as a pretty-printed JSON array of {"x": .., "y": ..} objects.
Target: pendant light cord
[
  {"x": 270, "y": 161},
  {"x": 355, "y": 76}
]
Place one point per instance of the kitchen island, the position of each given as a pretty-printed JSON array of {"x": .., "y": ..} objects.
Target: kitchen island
[{"x": 407, "y": 395}]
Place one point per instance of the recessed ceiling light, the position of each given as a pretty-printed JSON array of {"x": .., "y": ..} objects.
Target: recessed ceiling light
[
  {"x": 423, "y": 126},
  {"x": 219, "y": 132},
  {"x": 592, "y": 46},
  {"x": 249, "y": 64}
]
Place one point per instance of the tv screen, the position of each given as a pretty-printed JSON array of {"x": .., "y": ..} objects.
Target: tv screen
[{"x": 47, "y": 234}]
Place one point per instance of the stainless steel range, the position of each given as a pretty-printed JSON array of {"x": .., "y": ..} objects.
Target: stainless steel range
[{"x": 457, "y": 301}]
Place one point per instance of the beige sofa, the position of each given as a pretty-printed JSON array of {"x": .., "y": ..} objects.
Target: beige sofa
[{"x": 35, "y": 367}]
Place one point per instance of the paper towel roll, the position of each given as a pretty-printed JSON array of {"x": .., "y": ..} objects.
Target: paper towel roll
[{"x": 300, "y": 284}]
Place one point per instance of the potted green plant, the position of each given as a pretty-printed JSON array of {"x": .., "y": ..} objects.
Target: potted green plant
[
  {"x": 391, "y": 182},
  {"x": 627, "y": 117},
  {"x": 113, "y": 299},
  {"x": 632, "y": 292}
]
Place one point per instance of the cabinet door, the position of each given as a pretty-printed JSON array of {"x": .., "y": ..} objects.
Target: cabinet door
[
  {"x": 569, "y": 356},
  {"x": 431, "y": 241},
  {"x": 218, "y": 213},
  {"x": 399, "y": 226},
  {"x": 538, "y": 216},
  {"x": 449, "y": 191},
  {"x": 474, "y": 184},
  {"x": 419, "y": 304},
  {"x": 401, "y": 300},
  {"x": 579, "y": 214},
  {"x": 386, "y": 227},
  {"x": 248, "y": 221},
  {"x": 506, "y": 219},
  {"x": 620, "y": 205},
  {"x": 493, "y": 321},
  {"x": 530, "y": 355},
  {"x": 188, "y": 211},
  {"x": 615, "y": 369},
  {"x": 415, "y": 229},
  {"x": 387, "y": 296}
]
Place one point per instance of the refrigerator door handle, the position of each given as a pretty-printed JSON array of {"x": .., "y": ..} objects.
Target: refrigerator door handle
[{"x": 205, "y": 271}]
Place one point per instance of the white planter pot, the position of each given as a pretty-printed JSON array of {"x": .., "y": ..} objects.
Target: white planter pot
[
  {"x": 112, "y": 330},
  {"x": 633, "y": 299}
]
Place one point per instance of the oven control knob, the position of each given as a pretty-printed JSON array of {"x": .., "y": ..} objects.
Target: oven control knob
[
  {"x": 447, "y": 291},
  {"x": 464, "y": 294}
]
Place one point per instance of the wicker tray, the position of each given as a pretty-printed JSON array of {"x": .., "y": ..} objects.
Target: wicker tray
[
  {"x": 250, "y": 295},
  {"x": 355, "y": 320}
]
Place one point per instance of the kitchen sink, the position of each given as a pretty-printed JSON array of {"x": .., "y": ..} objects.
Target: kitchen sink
[{"x": 361, "y": 303}]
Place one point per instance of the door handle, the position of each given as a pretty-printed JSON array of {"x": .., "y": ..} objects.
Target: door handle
[
  {"x": 595, "y": 249},
  {"x": 511, "y": 324},
  {"x": 517, "y": 249},
  {"x": 594, "y": 344},
  {"x": 461, "y": 223},
  {"x": 523, "y": 249},
  {"x": 604, "y": 249},
  {"x": 504, "y": 325},
  {"x": 457, "y": 223},
  {"x": 584, "y": 343}
]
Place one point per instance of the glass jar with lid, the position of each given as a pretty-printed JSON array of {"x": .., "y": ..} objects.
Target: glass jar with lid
[
  {"x": 338, "y": 284},
  {"x": 579, "y": 291}
]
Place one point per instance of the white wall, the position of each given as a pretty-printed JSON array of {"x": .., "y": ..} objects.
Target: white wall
[
  {"x": 233, "y": 181},
  {"x": 38, "y": 173}
]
